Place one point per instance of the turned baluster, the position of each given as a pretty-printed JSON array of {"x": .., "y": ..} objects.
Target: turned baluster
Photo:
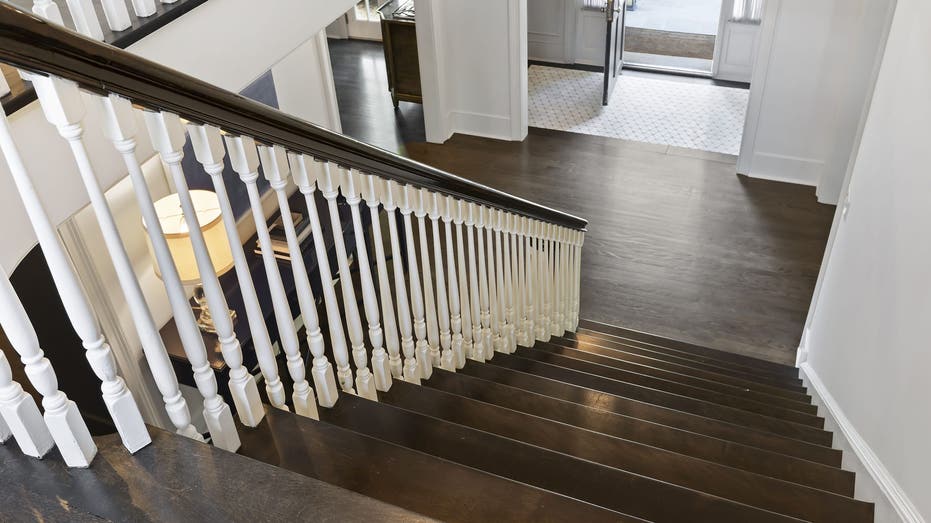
[
  {"x": 20, "y": 418},
  {"x": 64, "y": 108},
  {"x": 565, "y": 274},
  {"x": 351, "y": 187},
  {"x": 468, "y": 212},
  {"x": 450, "y": 208},
  {"x": 117, "y": 398},
  {"x": 390, "y": 194},
  {"x": 116, "y": 13},
  {"x": 457, "y": 208},
  {"x": 328, "y": 183},
  {"x": 510, "y": 331},
  {"x": 422, "y": 202},
  {"x": 542, "y": 322},
  {"x": 424, "y": 367},
  {"x": 144, "y": 8},
  {"x": 168, "y": 139},
  {"x": 495, "y": 285},
  {"x": 577, "y": 283},
  {"x": 436, "y": 208},
  {"x": 372, "y": 188},
  {"x": 85, "y": 20},
  {"x": 549, "y": 281},
  {"x": 120, "y": 128},
  {"x": 483, "y": 282},
  {"x": 556, "y": 319},
  {"x": 520, "y": 281},
  {"x": 47, "y": 9},
  {"x": 530, "y": 281}
]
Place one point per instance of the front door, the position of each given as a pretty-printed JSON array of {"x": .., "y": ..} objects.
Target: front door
[{"x": 614, "y": 45}]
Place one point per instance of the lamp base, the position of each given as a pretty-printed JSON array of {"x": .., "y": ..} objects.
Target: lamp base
[{"x": 205, "y": 318}]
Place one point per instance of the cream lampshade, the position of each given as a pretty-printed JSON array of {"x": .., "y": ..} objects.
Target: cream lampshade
[{"x": 178, "y": 237}]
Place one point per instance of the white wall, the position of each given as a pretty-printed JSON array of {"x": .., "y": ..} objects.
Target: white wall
[
  {"x": 304, "y": 84},
  {"x": 473, "y": 63},
  {"x": 813, "y": 79},
  {"x": 867, "y": 341}
]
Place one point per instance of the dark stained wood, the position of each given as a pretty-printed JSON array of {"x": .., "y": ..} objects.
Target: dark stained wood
[
  {"x": 403, "y": 477},
  {"x": 674, "y": 382},
  {"x": 578, "y": 479},
  {"x": 654, "y": 413},
  {"x": 704, "y": 476},
  {"x": 703, "y": 372},
  {"x": 173, "y": 479},
  {"x": 678, "y": 244},
  {"x": 399, "y": 36}
]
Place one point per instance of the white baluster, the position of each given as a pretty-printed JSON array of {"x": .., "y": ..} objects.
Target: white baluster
[
  {"x": 328, "y": 183},
  {"x": 48, "y": 10},
  {"x": 565, "y": 274},
  {"x": 372, "y": 186},
  {"x": 391, "y": 193},
  {"x": 449, "y": 208},
  {"x": 20, "y": 417},
  {"x": 245, "y": 161},
  {"x": 85, "y": 18},
  {"x": 209, "y": 151},
  {"x": 350, "y": 186},
  {"x": 483, "y": 282},
  {"x": 430, "y": 359},
  {"x": 577, "y": 283},
  {"x": 530, "y": 282},
  {"x": 117, "y": 397},
  {"x": 456, "y": 208},
  {"x": 409, "y": 194},
  {"x": 520, "y": 291},
  {"x": 509, "y": 302},
  {"x": 144, "y": 8},
  {"x": 64, "y": 108},
  {"x": 120, "y": 127},
  {"x": 468, "y": 212},
  {"x": 542, "y": 322},
  {"x": 495, "y": 286},
  {"x": 168, "y": 138},
  {"x": 117, "y": 14},
  {"x": 556, "y": 318},
  {"x": 435, "y": 210},
  {"x": 307, "y": 185}
]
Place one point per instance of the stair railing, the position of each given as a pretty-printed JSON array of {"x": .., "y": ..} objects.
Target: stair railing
[{"x": 499, "y": 271}]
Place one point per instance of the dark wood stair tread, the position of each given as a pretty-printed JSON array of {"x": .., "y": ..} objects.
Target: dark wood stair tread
[
  {"x": 678, "y": 384},
  {"x": 654, "y": 413},
  {"x": 665, "y": 399},
  {"x": 744, "y": 457},
  {"x": 689, "y": 348},
  {"x": 403, "y": 477},
  {"x": 583, "y": 480},
  {"x": 696, "y": 370},
  {"x": 756, "y": 490},
  {"x": 173, "y": 479}
]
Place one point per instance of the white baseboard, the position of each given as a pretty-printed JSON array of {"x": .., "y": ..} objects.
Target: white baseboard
[
  {"x": 874, "y": 481},
  {"x": 789, "y": 169},
  {"x": 484, "y": 125}
]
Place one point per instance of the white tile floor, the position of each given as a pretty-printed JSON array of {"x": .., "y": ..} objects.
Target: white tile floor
[{"x": 695, "y": 116}]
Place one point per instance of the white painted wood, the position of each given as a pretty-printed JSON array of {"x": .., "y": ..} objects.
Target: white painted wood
[
  {"x": 507, "y": 262},
  {"x": 208, "y": 148},
  {"x": 372, "y": 187},
  {"x": 542, "y": 322},
  {"x": 85, "y": 18},
  {"x": 431, "y": 357},
  {"x": 530, "y": 287},
  {"x": 55, "y": 94},
  {"x": 457, "y": 359},
  {"x": 20, "y": 417},
  {"x": 496, "y": 304},
  {"x": 168, "y": 139},
  {"x": 478, "y": 297},
  {"x": 390, "y": 194},
  {"x": 328, "y": 183},
  {"x": 422, "y": 348},
  {"x": 48, "y": 10},
  {"x": 523, "y": 339},
  {"x": 119, "y": 126},
  {"x": 4, "y": 86},
  {"x": 380, "y": 377},
  {"x": 457, "y": 207},
  {"x": 577, "y": 284},
  {"x": 436, "y": 209},
  {"x": 567, "y": 279},
  {"x": 144, "y": 8},
  {"x": 118, "y": 399},
  {"x": 556, "y": 328},
  {"x": 483, "y": 281},
  {"x": 117, "y": 14}
]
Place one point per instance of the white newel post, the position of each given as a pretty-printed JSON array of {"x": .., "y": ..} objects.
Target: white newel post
[
  {"x": 451, "y": 207},
  {"x": 372, "y": 187},
  {"x": 328, "y": 183},
  {"x": 168, "y": 139},
  {"x": 509, "y": 305},
  {"x": 530, "y": 286},
  {"x": 306, "y": 183},
  {"x": 275, "y": 167},
  {"x": 389, "y": 191},
  {"x": 351, "y": 186},
  {"x": 209, "y": 151},
  {"x": 468, "y": 212},
  {"x": 436, "y": 207},
  {"x": 85, "y": 18},
  {"x": 117, "y": 14},
  {"x": 118, "y": 399},
  {"x": 64, "y": 108},
  {"x": 431, "y": 358},
  {"x": 412, "y": 365},
  {"x": 478, "y": 214},
  {"x": 456, "y": 208},
  {"x": 144, "y": 8},
  {"x": 494, "y": 285},
  {"x": 63, "y": 424},
  {"x": 120, "y": 127}
]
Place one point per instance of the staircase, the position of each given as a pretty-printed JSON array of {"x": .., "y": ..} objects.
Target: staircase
[{"x": 475, "y": 394}]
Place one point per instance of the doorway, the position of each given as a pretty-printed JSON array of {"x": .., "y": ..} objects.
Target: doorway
[{"x": 672, "y": 35}]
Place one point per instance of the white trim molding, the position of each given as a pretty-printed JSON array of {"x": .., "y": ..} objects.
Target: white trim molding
[{"x": 882, "y": 480}]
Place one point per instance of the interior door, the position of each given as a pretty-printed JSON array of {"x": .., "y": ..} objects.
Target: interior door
[
  {"x": 614, "y": 45},
  {"x": 738, "y": 40}
]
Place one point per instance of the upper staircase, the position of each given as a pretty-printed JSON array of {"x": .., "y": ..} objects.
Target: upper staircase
[{"x": 476, "y": 393}]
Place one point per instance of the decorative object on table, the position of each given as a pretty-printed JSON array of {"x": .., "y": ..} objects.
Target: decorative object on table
[
  {"x": 171, "y": 218},
  {"x": 279, "y": 241}
]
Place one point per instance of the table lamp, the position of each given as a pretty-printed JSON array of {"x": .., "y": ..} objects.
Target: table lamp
[{"x": 171, "y": 217}]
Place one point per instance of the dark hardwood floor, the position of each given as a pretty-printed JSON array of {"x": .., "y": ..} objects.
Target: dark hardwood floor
[{"x": 678, "y": 244}]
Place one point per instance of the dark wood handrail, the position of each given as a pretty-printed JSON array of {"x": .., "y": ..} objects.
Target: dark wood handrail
[{"x": 30, "y": 43}]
